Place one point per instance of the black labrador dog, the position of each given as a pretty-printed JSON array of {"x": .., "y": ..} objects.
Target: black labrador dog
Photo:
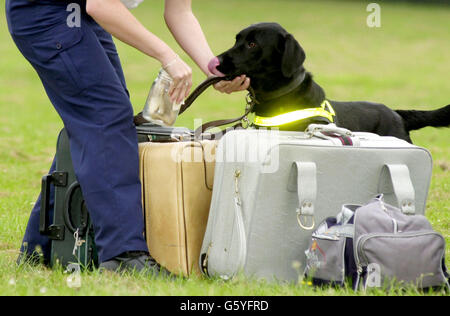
[{"x": 273, "y": 60}]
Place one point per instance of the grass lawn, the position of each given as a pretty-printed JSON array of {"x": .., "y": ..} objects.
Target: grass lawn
[{"x": 403, "y": 64}]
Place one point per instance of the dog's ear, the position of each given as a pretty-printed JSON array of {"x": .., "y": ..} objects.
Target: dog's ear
[{"x": 293, "y": 56}]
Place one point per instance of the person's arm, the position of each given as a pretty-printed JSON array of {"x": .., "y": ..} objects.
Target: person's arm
[
  {"x": 185, "y": 28},
  {"x": 116, "y": 19}
]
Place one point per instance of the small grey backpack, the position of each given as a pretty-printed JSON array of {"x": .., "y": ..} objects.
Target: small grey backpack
[{"x": 376, "y": 245}]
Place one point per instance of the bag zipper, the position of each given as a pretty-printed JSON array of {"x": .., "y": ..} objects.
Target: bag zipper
[{"x": 359, "y": 267}]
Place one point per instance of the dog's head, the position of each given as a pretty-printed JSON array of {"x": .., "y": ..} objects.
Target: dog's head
[{"x": 266, "y": 53}]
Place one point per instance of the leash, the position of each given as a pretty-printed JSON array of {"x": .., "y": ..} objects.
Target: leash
[
  {"x": 250, "y": 99},
  {"x": 199, "y": 90}
]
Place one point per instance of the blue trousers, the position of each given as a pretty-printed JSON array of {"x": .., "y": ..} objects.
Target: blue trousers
[{"x": 82, "y": 76}]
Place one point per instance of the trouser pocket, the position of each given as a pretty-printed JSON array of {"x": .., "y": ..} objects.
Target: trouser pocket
[{"x": 69, "y": 59}]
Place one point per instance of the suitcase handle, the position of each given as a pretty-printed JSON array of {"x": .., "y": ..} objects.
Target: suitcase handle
[
  {"x": 56, "y": 178},
  {"x": 45, "y": 204},
  {"x": 314, "y": 129},
  {"x": 339, "y": 136},
  {"x": 395, "y": 178},
  {"x": 303, "y": 181}
]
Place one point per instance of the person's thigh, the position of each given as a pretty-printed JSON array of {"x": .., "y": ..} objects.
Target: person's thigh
[{"x": 108, "y": 45}]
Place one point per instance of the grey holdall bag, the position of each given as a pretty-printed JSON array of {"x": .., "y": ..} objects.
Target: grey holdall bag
[
  {"x": 376, "y": 245},
  {"x": 272, "y": 187}
]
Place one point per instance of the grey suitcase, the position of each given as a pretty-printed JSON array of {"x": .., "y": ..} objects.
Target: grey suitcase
[{"x": 272, "y": 187}]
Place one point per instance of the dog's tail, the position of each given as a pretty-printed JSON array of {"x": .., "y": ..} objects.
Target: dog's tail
[{"x": 419, "y": 119}]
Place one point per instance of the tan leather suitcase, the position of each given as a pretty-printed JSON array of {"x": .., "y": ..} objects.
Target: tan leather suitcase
[{"x": 177, "y": 180}]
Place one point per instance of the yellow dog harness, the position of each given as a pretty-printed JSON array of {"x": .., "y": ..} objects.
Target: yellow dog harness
[{"x": 325, "y": 110}]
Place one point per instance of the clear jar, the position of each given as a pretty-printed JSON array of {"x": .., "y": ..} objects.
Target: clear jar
[{"x": 159, "y": 109}]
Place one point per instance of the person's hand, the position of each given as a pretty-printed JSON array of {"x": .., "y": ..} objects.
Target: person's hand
[
  {"x": 239, "y": 83},
  {"x": 181, "y": 74}
]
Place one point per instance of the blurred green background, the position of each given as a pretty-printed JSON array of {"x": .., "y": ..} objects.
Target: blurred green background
[{"x": 404, "y": 64}]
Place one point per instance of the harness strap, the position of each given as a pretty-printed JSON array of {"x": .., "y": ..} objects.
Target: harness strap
[{"x": 325, "y": 110}]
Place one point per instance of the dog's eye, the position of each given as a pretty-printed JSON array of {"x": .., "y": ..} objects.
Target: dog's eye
[{"x": 252, "y": 45}]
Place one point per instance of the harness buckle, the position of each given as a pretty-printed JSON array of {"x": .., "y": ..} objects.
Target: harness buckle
[{"x": 245, "y": 122}]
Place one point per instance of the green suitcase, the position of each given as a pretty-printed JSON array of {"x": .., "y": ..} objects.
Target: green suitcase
[{"x": 71, "y": 233}]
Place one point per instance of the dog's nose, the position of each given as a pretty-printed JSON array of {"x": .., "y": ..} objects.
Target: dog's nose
[{"x": 212, "y": 67}]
